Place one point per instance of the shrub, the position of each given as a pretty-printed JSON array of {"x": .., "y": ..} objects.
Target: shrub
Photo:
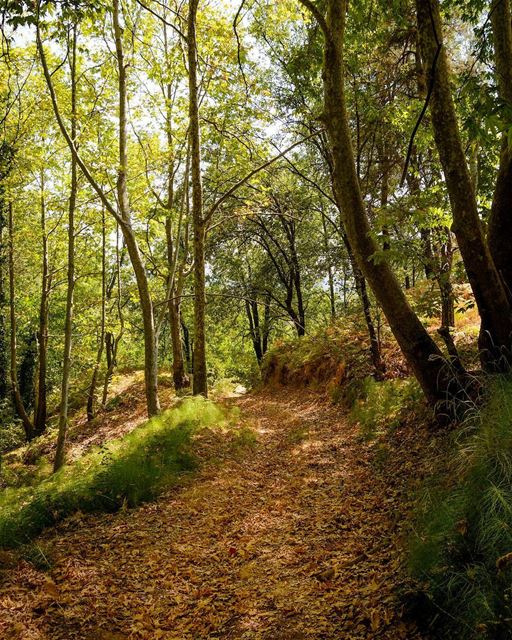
[
  {"x": 126, "y": 471},
  {"x": 462, "y": 551}
]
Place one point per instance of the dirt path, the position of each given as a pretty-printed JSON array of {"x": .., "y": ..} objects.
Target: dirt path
[{"x": 292, "y": 537}]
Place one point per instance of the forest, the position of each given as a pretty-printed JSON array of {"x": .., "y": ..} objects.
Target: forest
[{"x": 255, "y": 319}]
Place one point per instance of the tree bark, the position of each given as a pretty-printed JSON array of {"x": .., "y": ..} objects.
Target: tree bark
[
  {"x": 40, "y": 413},
  {"x": 200, "y": 381},
  {"x": 500, "y": 221},
  {"x": 253, "y": 316},
  {"x": 60, "y": 452},
  {"x": 362, "y": 290},
  {"x": 111, "y": 341},
  {"x": 491, "y": 298},
  {"x": 421, "y": 352},
  {"x": 16, "y": 395},
  {"x": 146, "y": 303},
  {"x": 266, "y": 323},
  {"x": 187, "y": 346},
  {"x": 4, "y": 359},
  {"x": 445, "y": 283},
  {"x": 91, "y": 396},
  {"x": 330, "y": 276}
]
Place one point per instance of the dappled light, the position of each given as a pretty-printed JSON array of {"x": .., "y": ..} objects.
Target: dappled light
[{"x": 255, "y": 320}]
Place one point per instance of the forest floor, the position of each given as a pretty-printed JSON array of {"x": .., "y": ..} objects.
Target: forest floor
[{"x": 294, "y": 532}]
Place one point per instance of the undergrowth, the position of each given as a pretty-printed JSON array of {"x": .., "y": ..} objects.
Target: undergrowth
[
  {"x": 462, "y": 550},
  {"x": 124, "y": 472},
  {"x": 335, "y": 360},
  {"x": 384, "y": 405}
]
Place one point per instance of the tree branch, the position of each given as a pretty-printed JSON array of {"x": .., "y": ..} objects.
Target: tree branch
[
  {"x": 241, "y": 182},
  {"x": 84, "y": 168},
  {"x": 317, "y": 14}
]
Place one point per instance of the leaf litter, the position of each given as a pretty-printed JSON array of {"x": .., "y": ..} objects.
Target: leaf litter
[{"x": 295, "y": 535}]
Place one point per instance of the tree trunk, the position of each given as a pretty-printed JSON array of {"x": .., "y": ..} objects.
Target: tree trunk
[
  {"x": 362, "y": 290},
  {"x": 200, "y": 382},
  {"x": 150, "y": 340},
  {"x": 175, "y": 265},
  {"x": 330, "y": 277},
  {"x": 179, "y": 376},
  {"x": 111, "y": 357},
  {"x": 16, "y": 395},
  {"x": 421, "y": 352},
  {"x": 491, "y": 298},
  {"x": 7, "y": 152},
  {"x": 42, "y": 333},
  {"x": 4, "y": 359},
  {"x": 253, "y": 316},
  {"x": 60, "y": 452},
  {"x": 428, "y": 256},
  {"x": 111, "y": 341},
  {"x": 500, "y": 221},
  {"x": 91, "y": 396},
  {"x": 445, "y": 283},
  {"x": 266, "y": 323},
  {"x": 187, "y": 347}
]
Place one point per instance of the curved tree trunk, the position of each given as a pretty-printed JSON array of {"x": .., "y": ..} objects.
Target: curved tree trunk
[
  {"x": 491, "y": 297},
  {"x": 421, "y": 352}
]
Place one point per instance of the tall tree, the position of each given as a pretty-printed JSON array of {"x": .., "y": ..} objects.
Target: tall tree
[
  {"x": 500, "y": 221},
  {"x": 492, "y": 299},
  {"x": 422, "y": 353},
  {"x": 68, "y": 322},
  {"x": 40, "y": 413},
  {"x": 28, "y": 425},
  {"x": 200, "y": 380},
  {"x": 121, "y": 212}
]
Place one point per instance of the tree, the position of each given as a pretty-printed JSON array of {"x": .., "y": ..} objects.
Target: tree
[
  {"x": 123, "y": 215},
  {"x": 422, "y": 353},
  {"x": 491, "y": 296},
  {"x": 68, "y": 323}
]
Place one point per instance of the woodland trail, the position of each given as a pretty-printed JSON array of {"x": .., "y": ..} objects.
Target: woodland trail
[{"x": 294, "y": 537}]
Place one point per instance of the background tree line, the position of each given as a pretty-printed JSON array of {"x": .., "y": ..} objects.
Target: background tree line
[{"x": 186, "y": 183}]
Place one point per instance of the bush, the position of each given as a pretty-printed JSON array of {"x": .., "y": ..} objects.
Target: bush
[
  {"x": 462, "y": 551},
  {"x": 126, "y": 471}
]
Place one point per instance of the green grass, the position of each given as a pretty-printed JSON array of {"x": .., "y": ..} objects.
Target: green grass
[
  {"x": 464, "y": 532},
  {"x": 125, "y": 472}
]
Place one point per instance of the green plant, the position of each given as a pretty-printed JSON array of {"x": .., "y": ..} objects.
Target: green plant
[
  {"x": 462, "y": 549},
  {"x": 383, "y": 405},
  {"x": 245, "y": 438},
  {"x": 11, "y": 435},
  {"x": 127, "y": 471},
  {"x": 38, "y": 556}
]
